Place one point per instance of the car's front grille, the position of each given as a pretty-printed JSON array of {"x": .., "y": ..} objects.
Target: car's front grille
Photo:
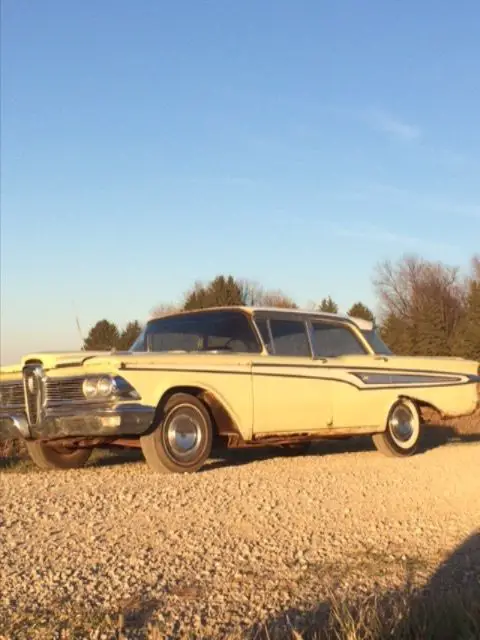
[
  {"x": 11, "y": 395},
  {"x": 64, "y": 390},
  {"x": 34, "y": 392}
]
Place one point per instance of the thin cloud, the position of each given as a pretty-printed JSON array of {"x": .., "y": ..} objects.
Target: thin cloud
[
  {"x": 375, "y": 234},
  {"x": 428, "y": 203},
  {"x": 391, "y": 125},
  {"x": 240, "y": 181}
]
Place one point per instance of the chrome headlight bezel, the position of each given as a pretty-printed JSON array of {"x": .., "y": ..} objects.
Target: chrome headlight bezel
[{"x": 107, "y": 387}]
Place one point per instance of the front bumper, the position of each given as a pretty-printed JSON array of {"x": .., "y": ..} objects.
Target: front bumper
[
  {"x": 13, "y": 427},
  {"x": 120, "y": 420}
]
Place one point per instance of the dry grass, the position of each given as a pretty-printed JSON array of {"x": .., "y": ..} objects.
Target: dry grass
[{"x": 400, "y": 615}]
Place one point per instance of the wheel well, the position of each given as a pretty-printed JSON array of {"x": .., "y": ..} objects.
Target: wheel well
[
  {"x": 222, "y": 422},
  {"x": 428, "y": 412}
]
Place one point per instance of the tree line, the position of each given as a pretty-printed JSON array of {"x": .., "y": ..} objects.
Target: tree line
[{"x": 424, "y": 308}]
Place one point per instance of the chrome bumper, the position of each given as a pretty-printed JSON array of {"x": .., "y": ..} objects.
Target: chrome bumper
[
  {"x": 13, "y": 427},
  {"x": 123, "y": 419}
]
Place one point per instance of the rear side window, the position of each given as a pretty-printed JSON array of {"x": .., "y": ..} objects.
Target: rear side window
[
  {"x": 331, "y": 340},
  {"x": 290, "y": 338}
]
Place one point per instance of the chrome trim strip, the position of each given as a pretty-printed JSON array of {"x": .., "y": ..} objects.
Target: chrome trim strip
[
  {"x": 76, "y": 411},
  {"x": 403, "y": 379}
]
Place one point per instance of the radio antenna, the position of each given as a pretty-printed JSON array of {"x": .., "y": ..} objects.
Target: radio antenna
[{"x": 77, "y": 322}]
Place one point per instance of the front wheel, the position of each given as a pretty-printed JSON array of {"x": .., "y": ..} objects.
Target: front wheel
[
  {"x": 402, "y": 434},
  {"x": 48, "y": 456},
  {"x": 182, "y": 441}
]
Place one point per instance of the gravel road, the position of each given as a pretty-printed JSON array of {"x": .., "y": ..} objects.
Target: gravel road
[{"x": 239, "y": 542}]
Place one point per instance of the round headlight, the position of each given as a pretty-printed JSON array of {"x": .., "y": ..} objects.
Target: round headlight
[
  {"x": 105, "y": 387},
  {"x": 89, "y": 387}
]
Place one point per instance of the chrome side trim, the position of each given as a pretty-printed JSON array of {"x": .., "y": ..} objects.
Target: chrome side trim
[{"x": 371, "y": 378}]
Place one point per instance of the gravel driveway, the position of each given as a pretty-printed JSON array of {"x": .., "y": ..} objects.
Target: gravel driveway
[{"x": 239, "y": 542}]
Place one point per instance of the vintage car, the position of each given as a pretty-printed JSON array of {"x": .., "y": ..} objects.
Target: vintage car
[{"x": 233, "y": 377}]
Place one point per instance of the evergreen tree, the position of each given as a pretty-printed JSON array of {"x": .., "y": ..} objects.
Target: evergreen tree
[
  {"x": 359, "y": 310},
  {"x": 129, "y": 335},
  {"x": 103, "y": 336},
  {"x": 467, "y": 338},
  {"x": 397, "y": 334},
  {"x": 220, "y": 292},
  {"x": 328, "y": 305},
  {"x": 430, "y": 331}
]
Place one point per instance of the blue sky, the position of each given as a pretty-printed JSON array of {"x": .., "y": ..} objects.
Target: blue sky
[{"x": 149, "y": 144}]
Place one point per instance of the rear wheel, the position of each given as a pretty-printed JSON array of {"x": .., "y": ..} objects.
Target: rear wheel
[
  {"x": 401, "y": 437},
  {"x": 182, "y": 441},
  {"x": 48, "y": 456}
]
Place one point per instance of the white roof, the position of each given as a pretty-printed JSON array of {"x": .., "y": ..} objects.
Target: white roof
[
  {"x": 360, "y": 322},
  {"x": 364, "y": 325}
]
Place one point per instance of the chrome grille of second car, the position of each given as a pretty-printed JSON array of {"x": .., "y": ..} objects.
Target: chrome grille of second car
[
  {"x": 11, "y": 395},
  {"x": 62, "y": 390},
  {"x": 33, "y": 389}
]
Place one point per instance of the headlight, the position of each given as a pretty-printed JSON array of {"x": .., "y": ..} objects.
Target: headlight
[
  {"x": 105, "y": 387},
  {"x": 89, "y": 387}
]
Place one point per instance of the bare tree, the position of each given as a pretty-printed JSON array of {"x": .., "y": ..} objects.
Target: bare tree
[
  {"x": 164, "y": 309},
  {"x": 254, "y": 294},
  {"x": 426, "y": 299}
]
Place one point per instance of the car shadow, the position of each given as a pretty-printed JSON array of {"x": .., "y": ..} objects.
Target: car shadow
[
  {"x": 114, "y": 457},
  {"x": 446, "y": 607},
  {"x": 432, "y": 438}
]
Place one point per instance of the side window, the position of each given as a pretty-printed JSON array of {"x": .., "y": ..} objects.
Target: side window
[
  {"x": 264, "y": 332},
  {"x": 331, "y": 340},
  {"x": 290, "y": 338}
]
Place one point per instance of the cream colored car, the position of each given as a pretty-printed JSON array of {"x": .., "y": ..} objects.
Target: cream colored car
[{"x": 233, "y": 376}]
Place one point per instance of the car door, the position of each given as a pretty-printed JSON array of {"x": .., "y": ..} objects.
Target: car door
[
  {"x": 344, "y": 354},
  {"x": 291, "y": 391}
]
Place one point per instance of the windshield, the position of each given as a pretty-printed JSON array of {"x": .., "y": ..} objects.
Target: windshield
[
  {"x": 376, "y": 342},
  {"x": 227, "y": 331}
]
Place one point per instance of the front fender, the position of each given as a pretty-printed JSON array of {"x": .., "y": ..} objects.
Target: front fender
[{"x": 232, "y": 390}]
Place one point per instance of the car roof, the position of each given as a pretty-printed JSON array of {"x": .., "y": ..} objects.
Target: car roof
[{"x": 251, "y": 310}]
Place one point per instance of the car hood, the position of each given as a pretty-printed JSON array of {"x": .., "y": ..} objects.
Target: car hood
[
  {"x": 54, "y": 359},
  {"x": 10, "y": 369}
]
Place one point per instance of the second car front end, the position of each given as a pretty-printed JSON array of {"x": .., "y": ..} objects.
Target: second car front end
[{"x": 76, "y": 402}]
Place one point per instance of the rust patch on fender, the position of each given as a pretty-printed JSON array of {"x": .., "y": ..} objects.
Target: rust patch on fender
[
  {"x": 463, "y": 425},
  {"x": 226, "y": 427}
]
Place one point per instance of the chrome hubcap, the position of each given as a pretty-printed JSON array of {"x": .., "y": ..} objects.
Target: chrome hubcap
[
  {"x": 402, "y": 425},
  {"x": 184, "y": 435}
]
